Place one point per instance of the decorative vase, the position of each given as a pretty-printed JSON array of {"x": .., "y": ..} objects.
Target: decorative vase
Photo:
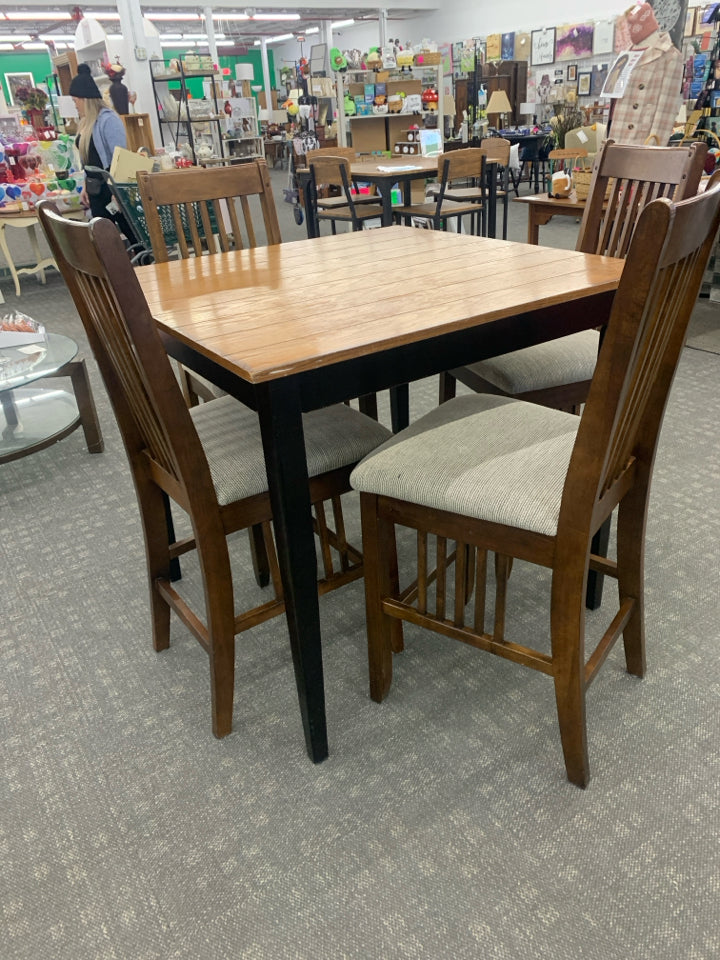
[{"x": 37, "y": 119}]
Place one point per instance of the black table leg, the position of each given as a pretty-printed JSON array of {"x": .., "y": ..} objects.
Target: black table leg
[
  {"x": 399, "y": 407},
  {"x": 599, "y": 546},
  {"x": 284, "y": 446}
]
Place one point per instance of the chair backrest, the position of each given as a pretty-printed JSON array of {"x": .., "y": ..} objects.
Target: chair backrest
[
  {"x": 624, "y": 180},
  {"x": 565, "y": 158},
  {"x": 467, "y": 165},
  {"x": 588, "y": 138},
  {"x": 157, "y": 430},
  {"x": 619, "y": 427},
  {"x": 497, "y": 148},
  {"x": 200, "y": 207}
]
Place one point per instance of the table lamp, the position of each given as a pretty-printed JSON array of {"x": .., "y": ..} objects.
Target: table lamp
[{"x": 499, "y": 104}]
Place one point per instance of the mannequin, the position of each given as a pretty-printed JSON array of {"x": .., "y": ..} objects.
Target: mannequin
[{"x": 652, "y": 96}]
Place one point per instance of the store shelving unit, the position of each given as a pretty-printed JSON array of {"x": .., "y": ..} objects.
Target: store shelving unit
[
  {"x": 381, "y": 131},
  {"x": 243, "y": 139},
  {"x": 181, "y": 119}
]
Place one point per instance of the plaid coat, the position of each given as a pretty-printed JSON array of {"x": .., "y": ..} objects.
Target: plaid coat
[{"x": 652, "y": 98}]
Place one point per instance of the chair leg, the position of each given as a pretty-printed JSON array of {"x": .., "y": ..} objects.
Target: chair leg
[
  {"x": 380, "y": 565},
  {"x": 630, "y": 560},
  {"x": 505, "y": 217},
  {"x": 448, "y": 387},
  {"x": 154, "y": 509},
  {"x": 217, "y": 578},
  {"x": 567, "y": 624}
]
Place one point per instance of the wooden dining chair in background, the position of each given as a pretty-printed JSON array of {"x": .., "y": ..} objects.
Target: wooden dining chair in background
[
  {"x": 209, "y": 209},
  {"x": 208, "y": 460},
  {"x": 460, "y": 192},
  {"x": 625, "y": 179},
  {"x": 498, "y": 149},
  {"x": 332, "y": 171},
  {"x": 199, "y": 211},
  {"x": 495, "y": 474}
]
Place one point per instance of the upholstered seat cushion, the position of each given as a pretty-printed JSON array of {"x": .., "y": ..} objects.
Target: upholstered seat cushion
[
  {"x": 566, "y": 360},
  {"x": 230, "y": 434},
  {"x": 480, "y": 456}
]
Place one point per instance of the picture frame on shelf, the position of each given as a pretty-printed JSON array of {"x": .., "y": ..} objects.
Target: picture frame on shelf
[
  {"x": 14, "y": 82},
  {"x": 572, "y": 73},
  {"x": 584, "y": 84}
]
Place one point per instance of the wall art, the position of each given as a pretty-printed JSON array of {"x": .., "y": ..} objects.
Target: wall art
[
  {"x": 574, "y": 41},
  {"x": 543, "y": 46}
]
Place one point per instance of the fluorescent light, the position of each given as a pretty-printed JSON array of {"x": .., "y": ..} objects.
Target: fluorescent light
[
  {"x": 231, "y": 16},
  {"x": 275, "y": 16},
  {"x": 34, "y": 46},
  {"x": 342, "y": 23},
  {"x": 177, "y": 43},
  {"x": 101, "y": 15},
  {"x": 279, "y": 39},
  {"x": 172, "y": 16},
  {"x": 37, "y": 15},
  {"x": 6, "y": 46},
  {"x": 312, "y": 30},
  {"x": 12, "y": 38},
  {"x": 225, "y": 43}
]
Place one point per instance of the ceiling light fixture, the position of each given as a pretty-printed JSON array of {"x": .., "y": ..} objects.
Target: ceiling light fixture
[
  {"x": 100, "y": 15},
  {"x": 34, "y": 45},
  {"x": 37, "y": 15},
  {"x": 276, "y": 16},
  {"x": 231, "y": 16},
  {"x": 278, "y": 39},
  {"x": 173, "y": 16},
  {"x": 342, "y": 23},
  {"x": 12, "y": 38}
]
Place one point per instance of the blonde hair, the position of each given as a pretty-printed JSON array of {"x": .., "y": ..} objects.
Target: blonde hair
[{"x": 93, "y": 106}]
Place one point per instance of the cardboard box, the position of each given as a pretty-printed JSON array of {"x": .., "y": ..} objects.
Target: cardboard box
[{"x": 125, "y": 164}]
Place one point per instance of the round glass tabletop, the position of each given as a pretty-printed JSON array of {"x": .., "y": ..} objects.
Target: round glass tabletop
[{"x": 20, "y": 365}]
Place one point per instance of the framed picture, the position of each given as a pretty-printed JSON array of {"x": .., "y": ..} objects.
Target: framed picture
[
  {"x": 572, "y": 73},
  {"x": 542, "y": 46},
  {"x": 584, "y": 82},
  {"x": 13, "y": 82},
  {"x": 574, "y": 41}
]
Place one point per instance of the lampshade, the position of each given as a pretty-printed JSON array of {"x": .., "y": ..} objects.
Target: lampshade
[
  {"x": 498, "y": 102},
  {"x": 244, "y": 71}
]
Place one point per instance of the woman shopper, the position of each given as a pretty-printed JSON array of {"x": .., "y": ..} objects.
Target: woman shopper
[{"x": 100, "y": 131}]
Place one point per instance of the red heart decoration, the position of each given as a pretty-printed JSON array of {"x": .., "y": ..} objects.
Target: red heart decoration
[{"x": 38, "y": 188}]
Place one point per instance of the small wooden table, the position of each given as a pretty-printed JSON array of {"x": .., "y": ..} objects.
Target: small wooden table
[
  {"x": 542, "y": 208},
  {"x": 383, "y": 307},
  {"x": 26, "y": 220}
]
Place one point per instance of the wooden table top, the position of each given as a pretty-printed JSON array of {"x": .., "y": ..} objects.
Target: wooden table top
[
  {"x": 559, "y": 203},
  {"x": 385, "y": 168},
  {"x": 276, "y": 311}
]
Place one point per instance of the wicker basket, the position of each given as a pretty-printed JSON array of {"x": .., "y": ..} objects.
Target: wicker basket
[
  {"x": 428, "y": 58},
  {"x": 581, "y": 180}
]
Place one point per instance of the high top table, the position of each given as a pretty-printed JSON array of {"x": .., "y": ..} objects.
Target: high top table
[{"x": 378, "y": 308}]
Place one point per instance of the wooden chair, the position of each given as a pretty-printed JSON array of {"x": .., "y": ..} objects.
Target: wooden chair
[
  {"x": 202, "y": 205},
  {"x": 625, "y": 179},
  {"x": 333, "y": 171},
  {"x": 207, "y": 460},
  {"x": 525, "y": 481},
  {"x": 188, "y": 212},
  {"x": 461, "y": 192},
  {"x": 334, "y": 197},
  {"x": 498, "y": 149}
]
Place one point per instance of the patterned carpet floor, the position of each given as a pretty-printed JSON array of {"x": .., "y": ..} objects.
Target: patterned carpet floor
[{"x": 442, "y": 824}]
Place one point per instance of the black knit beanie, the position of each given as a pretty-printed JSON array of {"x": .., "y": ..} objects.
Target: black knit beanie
[{"x": 83, "y": 86}]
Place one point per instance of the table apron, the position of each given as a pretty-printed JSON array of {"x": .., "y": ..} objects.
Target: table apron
[{"x": 347, "y": 379}]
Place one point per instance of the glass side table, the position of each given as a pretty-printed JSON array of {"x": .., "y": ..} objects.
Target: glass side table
[{"x": 34, "y": 415}]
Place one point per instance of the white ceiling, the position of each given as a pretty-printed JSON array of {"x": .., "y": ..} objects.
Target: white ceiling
[{"x": 243, "y": 32}]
